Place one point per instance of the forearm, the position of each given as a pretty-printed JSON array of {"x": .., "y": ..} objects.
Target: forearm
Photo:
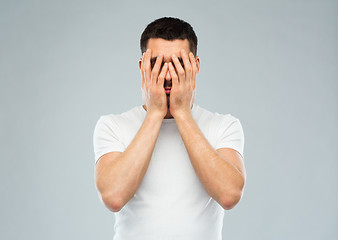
[
  {"x": 121, "y": 179},
  {"x": 221, "y": 179}
]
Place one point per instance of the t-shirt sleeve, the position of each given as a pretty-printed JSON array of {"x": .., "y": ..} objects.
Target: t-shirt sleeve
[
  {"x": 106, "y": 137},
  {"x": 230, "y": 135}
]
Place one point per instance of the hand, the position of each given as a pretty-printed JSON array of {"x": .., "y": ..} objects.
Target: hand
[
  {"x": 153, "y": 92},
  {"x": 183, "y": 87}
]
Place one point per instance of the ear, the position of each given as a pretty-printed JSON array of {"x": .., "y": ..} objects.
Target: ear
[
  {"x": 198, "y": 64},
  {"x": 140, "y": 63}
]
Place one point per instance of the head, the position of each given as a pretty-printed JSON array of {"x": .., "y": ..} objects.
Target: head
[
  {"x": 170, "y": 29},
  {"x": 168, "y": 36}
]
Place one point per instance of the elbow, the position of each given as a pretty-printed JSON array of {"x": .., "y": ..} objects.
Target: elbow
[
  {"x": 112, "y": 202},
  {"x": 231, "y": 200}
]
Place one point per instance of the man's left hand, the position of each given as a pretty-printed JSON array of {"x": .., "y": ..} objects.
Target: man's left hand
[{"x": 183, "y": 87}]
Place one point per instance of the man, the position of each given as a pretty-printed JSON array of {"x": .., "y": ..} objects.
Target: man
[{"x": 169, "y": 168}]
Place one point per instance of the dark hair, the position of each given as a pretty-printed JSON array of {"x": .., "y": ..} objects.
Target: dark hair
[{"x": 169, "y": 28}]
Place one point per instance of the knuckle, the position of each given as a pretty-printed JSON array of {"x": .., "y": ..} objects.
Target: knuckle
[
  {"x": 152, "y": 91},
  {"x": 162, "y": 74},
  {"x": 154, "y": 72},
  {"x": 157, "y": 91},
  {"x": 180, "y": 72},
  {"x": 163, "y": 71}
]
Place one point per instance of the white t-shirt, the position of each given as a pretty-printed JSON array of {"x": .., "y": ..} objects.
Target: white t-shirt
[{"x": 171, "y": 202}]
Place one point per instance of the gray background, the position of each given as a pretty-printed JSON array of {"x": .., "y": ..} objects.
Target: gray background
[{"x": 272, "y": 64}]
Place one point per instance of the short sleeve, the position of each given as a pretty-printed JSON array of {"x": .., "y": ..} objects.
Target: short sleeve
[
  {"x": 106, "y": 137},
  {"x": 230, "y": 135}
]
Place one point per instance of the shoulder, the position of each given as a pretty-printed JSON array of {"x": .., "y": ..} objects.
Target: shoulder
[
  {"x": 107, "y": 119},
  {"x": 215, "y": 118},
  {"x": 118, "y": 118}
]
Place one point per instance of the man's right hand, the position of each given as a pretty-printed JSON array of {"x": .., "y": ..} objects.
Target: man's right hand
[{"x": 153, "y": 92}]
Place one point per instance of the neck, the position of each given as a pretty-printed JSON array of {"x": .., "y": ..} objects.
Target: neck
[{"x": 168, "y": 115}]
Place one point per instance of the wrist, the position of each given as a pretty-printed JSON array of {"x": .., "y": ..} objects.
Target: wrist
[
  {"x": 155, "y": 115},
  {"x": 181, "y": 113}
]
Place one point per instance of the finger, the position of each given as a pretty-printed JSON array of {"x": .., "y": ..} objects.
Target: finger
[
  {"x": 147, "y": 70},
  {"x": 142, "y": 67},
  {"x": 162, "y": 75},
  {"x": 187, "y": 65},
  {"x": 156, "y": 68},
  {"x": 194, "y": 69},
  {"x": 173, "y": 74},
  {"x": 179, "y": 68},
  {"x": 193, "y": 62}
]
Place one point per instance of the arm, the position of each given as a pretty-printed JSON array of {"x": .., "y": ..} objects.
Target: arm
[
  {"x": 217, "y": 170},
  {"x": 117, "y": 180}
]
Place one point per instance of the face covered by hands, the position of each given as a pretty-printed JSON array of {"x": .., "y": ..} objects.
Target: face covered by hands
[{"x": 177, "y": 83}]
